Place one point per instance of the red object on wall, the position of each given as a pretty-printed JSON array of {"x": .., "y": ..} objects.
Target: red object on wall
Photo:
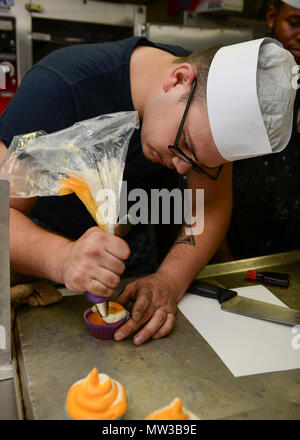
[
  {"x": 6, "y": 94},
  {"x": 8, "y": 61},
  {"x": 175, "y": 6}
]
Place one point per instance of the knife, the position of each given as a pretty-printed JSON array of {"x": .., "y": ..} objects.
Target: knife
[{"x": 231, "y": 302}]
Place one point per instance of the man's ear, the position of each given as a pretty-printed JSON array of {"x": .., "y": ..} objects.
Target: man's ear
[
  {"x": 182, "y": 74},
  {"x": 271, "y": 14}
]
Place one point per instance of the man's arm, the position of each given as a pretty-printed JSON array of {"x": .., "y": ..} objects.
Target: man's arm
[
  {"x": 191, "y": 253},
  {"x": 93, "y": 262},
  {"x": 156, "y": 296}
]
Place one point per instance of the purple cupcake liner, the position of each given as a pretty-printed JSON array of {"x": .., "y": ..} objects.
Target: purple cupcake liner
[
  {"x": 95, "y": 299},
  {"x": 102, "y": 331}
]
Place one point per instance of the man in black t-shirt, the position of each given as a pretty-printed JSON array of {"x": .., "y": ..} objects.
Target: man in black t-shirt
[
  {"x": 176, "y": 97},
  {"x": 72, "y": 85}
]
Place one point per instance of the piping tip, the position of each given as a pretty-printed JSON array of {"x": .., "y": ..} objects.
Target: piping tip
[{"x": 102, "y": 308}]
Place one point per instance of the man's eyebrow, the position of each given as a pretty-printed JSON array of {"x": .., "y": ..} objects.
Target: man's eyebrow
[
  {"x": 294, "y": 16},
  {"x": 192, "y": 149}
]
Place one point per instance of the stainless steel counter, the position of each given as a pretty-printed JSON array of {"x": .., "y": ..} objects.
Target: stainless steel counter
[
  {"x": 54, "y": 349},
  {"x": 8, "y": 401}
]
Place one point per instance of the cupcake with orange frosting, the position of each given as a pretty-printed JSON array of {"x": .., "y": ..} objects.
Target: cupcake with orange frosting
[
  {"x": 96, "y": 397},
  {"x": 104, "y": 327},
  {"x": 175, "y": 411}
]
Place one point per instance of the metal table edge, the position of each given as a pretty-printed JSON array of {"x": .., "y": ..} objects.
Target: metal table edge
[
  {"x": 22, "y": 395},
  {"x": 260, "y": 263}
]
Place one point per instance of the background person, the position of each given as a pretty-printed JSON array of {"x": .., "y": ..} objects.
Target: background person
[{"x": 266, "y": 205}]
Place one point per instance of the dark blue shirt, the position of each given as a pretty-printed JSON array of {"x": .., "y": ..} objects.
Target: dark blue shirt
[{"x": 74, "y": 84}]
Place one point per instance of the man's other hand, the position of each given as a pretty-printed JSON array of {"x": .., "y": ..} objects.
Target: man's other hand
[{"x": 153, "y": 311}]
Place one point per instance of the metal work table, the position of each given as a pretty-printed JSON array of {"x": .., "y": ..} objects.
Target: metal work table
[
  {"x": 8, "y": 401},
  {"x": 54, "y": 349}
]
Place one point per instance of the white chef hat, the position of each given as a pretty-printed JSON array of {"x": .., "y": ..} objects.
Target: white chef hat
[
  {"x": 295, "y": 3},
  {"x": 250, "y": 98}
]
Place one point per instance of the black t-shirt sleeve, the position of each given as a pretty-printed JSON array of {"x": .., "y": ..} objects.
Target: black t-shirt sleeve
[{"x": 42, "y": 102}]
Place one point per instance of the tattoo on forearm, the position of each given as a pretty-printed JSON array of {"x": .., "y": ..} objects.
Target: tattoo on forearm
[{"x": 185, "y": 239}]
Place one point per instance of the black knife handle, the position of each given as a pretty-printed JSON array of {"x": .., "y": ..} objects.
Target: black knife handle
[{"x": 211, "y": 291}]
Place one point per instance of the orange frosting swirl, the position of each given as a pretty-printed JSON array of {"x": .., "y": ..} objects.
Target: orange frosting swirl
[
  {"x": 172, "y": 412},
  {"x": 97, "y": 397}
]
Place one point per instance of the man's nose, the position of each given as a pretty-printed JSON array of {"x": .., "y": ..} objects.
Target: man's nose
[{"x": 181, "y": 166}]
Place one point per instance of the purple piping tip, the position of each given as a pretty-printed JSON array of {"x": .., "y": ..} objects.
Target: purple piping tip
[{"x": 95, "y": 299}]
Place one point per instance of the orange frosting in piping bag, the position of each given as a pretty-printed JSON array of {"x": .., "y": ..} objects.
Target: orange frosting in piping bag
[
  {"x": 97, "y": 397},
  {"x": 81, "y": 189}
]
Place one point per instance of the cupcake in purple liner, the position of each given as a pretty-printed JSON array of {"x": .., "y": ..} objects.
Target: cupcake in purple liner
[{"x": 104, "y": 327}]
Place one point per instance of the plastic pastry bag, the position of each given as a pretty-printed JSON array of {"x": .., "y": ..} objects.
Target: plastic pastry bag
[{"x": 87, "y": 158}]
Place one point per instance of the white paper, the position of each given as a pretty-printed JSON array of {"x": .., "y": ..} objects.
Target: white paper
[{"x": 246, "y": 345}]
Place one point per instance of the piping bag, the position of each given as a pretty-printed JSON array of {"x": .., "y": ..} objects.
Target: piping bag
[
  {"x": 87, "y": 159},
  {"x": 101, "y": 302}
]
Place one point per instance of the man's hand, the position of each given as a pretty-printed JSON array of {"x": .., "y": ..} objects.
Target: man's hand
[
  {"x": 94, "y": 262},
  {"x": 154, "y": 308}
]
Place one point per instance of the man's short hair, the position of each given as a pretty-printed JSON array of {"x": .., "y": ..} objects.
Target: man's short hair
[{"x": 201, "y": 61}]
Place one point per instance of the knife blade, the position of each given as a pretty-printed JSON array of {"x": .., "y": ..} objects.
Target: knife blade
[{"x": 231, "y": 302}]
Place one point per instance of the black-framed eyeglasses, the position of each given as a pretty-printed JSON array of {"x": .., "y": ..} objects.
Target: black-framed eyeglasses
[{"x": 179, "y": 153}]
